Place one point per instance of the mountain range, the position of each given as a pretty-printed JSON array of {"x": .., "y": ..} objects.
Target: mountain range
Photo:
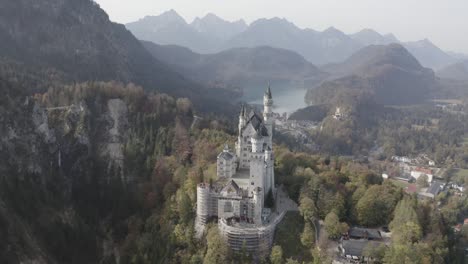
[
  {"x": 240, "y": 69},
  {"x": 457, "y": 71},
  {"x": 384, "y": 74},
  {"x": 212, "y": 34},
  {"x": 76, "y": 41}
]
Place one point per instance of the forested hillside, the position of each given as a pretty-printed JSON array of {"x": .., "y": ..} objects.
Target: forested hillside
[
  {"x": 240, "y": 68},
  {"x": 91, "y": 173},
  {"x": 76, "y": 41}
]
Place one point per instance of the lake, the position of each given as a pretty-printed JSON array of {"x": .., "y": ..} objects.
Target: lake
[{"x": 286, "y": 100}]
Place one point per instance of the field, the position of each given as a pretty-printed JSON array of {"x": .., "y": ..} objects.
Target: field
[{"x": 401, "y": 184}]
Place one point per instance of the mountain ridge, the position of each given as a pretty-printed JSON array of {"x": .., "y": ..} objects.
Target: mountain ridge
[
  {"x": 319, "y": 48},
  {"x": 95, "y": 48},
  {"x": 385, "y": 74},
  {"x": 239, "y": 68}
]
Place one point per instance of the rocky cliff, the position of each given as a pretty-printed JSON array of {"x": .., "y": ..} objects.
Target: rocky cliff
[{"x": 66, "y": 176}]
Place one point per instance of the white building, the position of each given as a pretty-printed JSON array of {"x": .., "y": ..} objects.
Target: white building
[
  {"x": 245, "y": 179},
  {"x": 418, "y": 172}
]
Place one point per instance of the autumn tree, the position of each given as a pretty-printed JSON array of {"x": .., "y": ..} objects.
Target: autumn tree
[
  {"x": 308, "y": 235},
  {"x": 276, "y": 256},
  {"x": 217, "y": 251}
]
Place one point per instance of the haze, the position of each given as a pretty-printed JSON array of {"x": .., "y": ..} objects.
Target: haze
[{"x": 443, "y": 22}]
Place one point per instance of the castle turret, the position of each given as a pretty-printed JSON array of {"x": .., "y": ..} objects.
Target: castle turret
[
  {"x": 242, "y": 119},
  {"x": 268, "y": 113},
  {"x": 257, "y": 205},
  {"x": 203, "y": 202},
  {"x": 268, "y": 154},
  {"x": 269, "y": 171}
]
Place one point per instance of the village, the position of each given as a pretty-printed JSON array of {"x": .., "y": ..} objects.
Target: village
[{"x": 419, "y": 176}]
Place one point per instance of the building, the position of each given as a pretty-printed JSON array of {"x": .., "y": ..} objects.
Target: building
[
  {"x": 245, "y": 180},
  {"x": 418, "y": 172},
  {"x": 364, "y": 233},
  {"x": 434, "y": 189},
  {"x": 353, "y": 250},
  {"x": 338, "y": 114}
]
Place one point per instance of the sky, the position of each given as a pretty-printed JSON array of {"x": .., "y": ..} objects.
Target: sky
[{"x": 444, "y": 22}]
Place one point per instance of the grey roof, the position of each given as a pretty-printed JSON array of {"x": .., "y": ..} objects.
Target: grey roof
[
  {"x": 366, "y": 233},
  {"x": 356, "y": 247},
  {"x": 257, "y": 123},
  {"x": 225, "y": 155},
  {"x": 242, "y": 112},
  {"x": 232, "y": 184},
  {"x": 434, "y": 189},
  {"x": 268, "y": 92}
]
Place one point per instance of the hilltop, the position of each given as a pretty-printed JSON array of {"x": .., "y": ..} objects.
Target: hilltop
[
  {"x": 240, "y": 68},
  {"x": 387, "y": 73}
]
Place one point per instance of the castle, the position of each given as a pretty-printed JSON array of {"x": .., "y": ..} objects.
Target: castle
[{"x": 245, "y": 181}]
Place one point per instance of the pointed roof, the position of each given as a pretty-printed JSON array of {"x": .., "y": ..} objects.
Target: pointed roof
[
  {"x": 257, "y": 135},
  {"x": 225, "y": 155},
  {"x": 268, "y": 92},
  {"x": 242, "y": 112},
  {"x": 231, "y": 186},
  {"x": 257, "y": 123}
]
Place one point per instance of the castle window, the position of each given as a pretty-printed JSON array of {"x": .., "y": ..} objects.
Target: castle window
[
  {"x": 252, "y": 183},
  {"x": 227, "y": 207}
]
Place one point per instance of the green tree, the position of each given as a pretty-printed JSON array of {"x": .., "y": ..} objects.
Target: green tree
[
  {"x": 332, "y": 225},
  {"x": 377, "y": 204},
  {"x": 217, "y": 248},
  {"x": 320, "y": 257},
  {"x": 308, "y": 235},
  {"x": 308, "y": 209},
  {"x": 292, "y": 261},
  {"x": 184, "y": 206},
  {"x": 405, "y": 224},
  {"x": 276, "y": 255},
  {"x": 375, "y": 252},
  {"x": 423, "y": 181}
]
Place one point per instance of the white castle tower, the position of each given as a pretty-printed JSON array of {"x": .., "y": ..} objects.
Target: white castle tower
[
  {"x": 245, "y": 178},
  {"x": 268, "y": 114}
]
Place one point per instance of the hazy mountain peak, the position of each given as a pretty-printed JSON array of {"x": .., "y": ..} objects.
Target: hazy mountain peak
[
  {"x": 171, "y": 16},
  {"x": 391, "y": 37},
  {"x": 332, "y": 30},
  {"x": 274, "y": 21},
  {"x": 212, "y": 17},
  {"x": 372, "y": 57},
  {"x": 212, "y": 34},
  {"x": 457, "y": 71},
  {"x": 429, "y": 54},
  {"x": 214, "y": 27},
  {"x": 371, "y": 37},
  {"x": 368, "y": 31},
  {"x": 422, "y": 43}
]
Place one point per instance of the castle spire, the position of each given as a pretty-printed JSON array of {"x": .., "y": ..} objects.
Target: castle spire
[
  {"x": 242, "y": 112},
  {"x": 268, "y": 92}
]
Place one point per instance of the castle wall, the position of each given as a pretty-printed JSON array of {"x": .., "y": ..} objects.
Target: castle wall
[
  {"x": 258, "y": 239},
  {"x": 257, "y": 170},
  {"x": 245, "y": 146},
  {"x": 225, "y": 168}
]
